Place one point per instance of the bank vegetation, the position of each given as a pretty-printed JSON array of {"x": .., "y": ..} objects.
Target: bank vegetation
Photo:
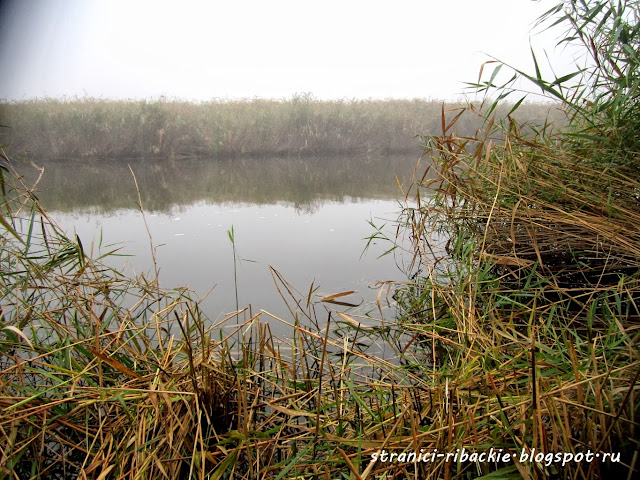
[{"x": 165, "y": 128}]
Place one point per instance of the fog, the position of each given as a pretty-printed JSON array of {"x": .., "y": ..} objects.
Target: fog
[{"x": 245, "y": 49}]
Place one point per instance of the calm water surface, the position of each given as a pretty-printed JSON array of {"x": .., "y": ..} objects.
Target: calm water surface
[{"x": 307, "y": 218}]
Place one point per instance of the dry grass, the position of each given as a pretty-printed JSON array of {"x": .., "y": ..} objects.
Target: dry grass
[
  {"x": 302, "y": 125},
  {"x": 527, "y": 281}
]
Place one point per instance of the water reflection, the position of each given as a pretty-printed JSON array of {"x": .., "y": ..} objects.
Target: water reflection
[
  {"x": 107, "y": 185},
  {"x": 308, "y": 218}
]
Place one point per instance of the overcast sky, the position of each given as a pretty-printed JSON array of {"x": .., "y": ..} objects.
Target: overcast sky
[{"x": 201, "y": 50}]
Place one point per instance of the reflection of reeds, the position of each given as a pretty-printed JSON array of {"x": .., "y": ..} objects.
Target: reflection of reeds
[
  {"x": 301, "y": 125},
  {"x": 302, "y": 182}
]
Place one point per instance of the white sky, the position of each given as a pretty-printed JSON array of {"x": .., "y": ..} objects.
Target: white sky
[{"x": 201, "y": 50}]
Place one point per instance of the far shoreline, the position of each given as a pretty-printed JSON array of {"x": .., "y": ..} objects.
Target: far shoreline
[{"x": 301, "y": 126}]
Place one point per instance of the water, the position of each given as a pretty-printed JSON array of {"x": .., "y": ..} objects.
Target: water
[{"x": 307, "y": 218}]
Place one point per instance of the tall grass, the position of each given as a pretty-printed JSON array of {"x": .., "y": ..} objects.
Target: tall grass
[
  {"x": 109, "y": 377},
  {"x": 527, "y": 266},
  {"x": 302, "y": 125}
]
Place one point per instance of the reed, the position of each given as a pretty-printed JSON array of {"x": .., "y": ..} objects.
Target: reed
[
  {"x": 526, "y": 258},
  {"x": 300, "y": 126}
]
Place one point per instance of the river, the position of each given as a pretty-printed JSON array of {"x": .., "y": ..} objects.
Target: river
[{"x": 308, "y": 218}]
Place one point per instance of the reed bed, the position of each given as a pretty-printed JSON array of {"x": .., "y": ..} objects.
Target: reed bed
[
  {"x": 525, "y": 291},
  {"x": 526, "y": 259},
  {"x": 300, "y": 126}
]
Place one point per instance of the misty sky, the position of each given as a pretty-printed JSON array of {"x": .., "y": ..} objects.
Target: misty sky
[{"x": 199, "y": 50}]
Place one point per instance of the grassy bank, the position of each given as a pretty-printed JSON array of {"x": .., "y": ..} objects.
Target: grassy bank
[
  {"x": 527, "y": 266},
  {"x": 302, "y": 125}
]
